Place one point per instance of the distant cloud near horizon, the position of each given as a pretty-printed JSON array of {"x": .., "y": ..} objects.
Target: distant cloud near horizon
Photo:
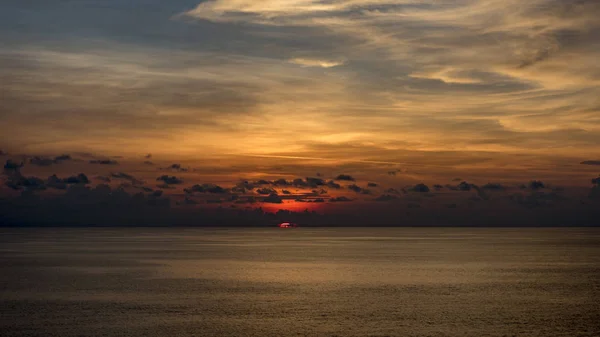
[{"x": 590, "y": 162}]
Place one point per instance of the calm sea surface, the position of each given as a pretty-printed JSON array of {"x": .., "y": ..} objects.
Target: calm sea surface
[{"x": 297, "y": 282}]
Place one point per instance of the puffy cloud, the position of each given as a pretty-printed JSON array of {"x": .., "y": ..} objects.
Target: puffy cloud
[
  {"x": 536, "y": 185},
  {"x": 438, "y": 187},
  {"x": 125, "y": 176},
  {"x": 340, "y": 199},
  {"x": 266, "y": 191},
  {"x": 18, "y": 182},
  {"x": 386, "y": 197},
  {"x": 63, "y": 157},
  {"x": 345, "y": 177},
  {"x": 273, "y": 199},
  {"x": 11, "y": 166},
  {"x": 177, "y": 168},
  {"x": 205, "y": 188},
  {"x": 41, "y": 161},
  {"x": 422, "y": 188},
  {"x": 356, "y": 188},
  {"x": 169, "y": 180},
  {"x": 104, "y": 179},
  {"x": 104, "y": 162},
  {"x": 333, "y": 184},
  {"x": 493, "y": 187}
]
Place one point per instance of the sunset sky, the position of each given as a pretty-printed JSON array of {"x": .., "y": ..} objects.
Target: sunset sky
[{"x": 394, "y": 93}]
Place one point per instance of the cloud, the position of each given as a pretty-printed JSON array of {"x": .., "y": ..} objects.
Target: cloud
[
  {"x": 590, "y": 162},
  {"x": 148, "y": 156},
  {"x": 18, "y": 182},
  {"x": 205, "y": 188},
  {"x": 493, "y": 187},
  {"x": 340, "y": 199},
  {"x": 104, "y": 162},
  {"x": 2, "y": 153},
  {"x": 11, "y": 166},
  {"x": 286, "y": 192},
  {"x": 422, "y": 188},
  {"x": 333, "y": 184},
  {"x": 371, "y": 185},
  {"x": 125, "y": 176},
  {"x": 147, "y": 162},
  {"x": 356, "y": 188},
  {"x": 438, "y": 187},
  {"x": 273, "y": 199},
  {"x": 596, "y": 181},
  {"x": 345, "y": 177},
  {"x": 40, "y": 161},
  {"x": 536, "y": 185},
  {"x": 386, "y": 197},
  {"x": 104, "y": 179},
  {"x": 169, "y": 180},
  {"x": 316, "y": 63},
  {"x": 176, "y": 167},
  {"x": 266, "y": 191}
]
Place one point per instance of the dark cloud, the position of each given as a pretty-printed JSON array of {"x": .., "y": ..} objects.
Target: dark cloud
[
  {"x": 596, "y": 181},
  {"x": 78, "y": 179},
  {"x": 125, "y": 176},
  {"x": 386, "y": 197},
  {"x": 63, "y": 157},
  {"x": 422, "y": 188},
  {"x": 157, "y": 193},
  {"x": 371, "y": 185},
  {"x": 313, "y": 182},
  {"x": 55, "y": 182},
  {"x": 104, "y": 162},
  {"x": 391, "y": 173},
  {"x": 340, "y": 199},
  {"x": 169, "y": 180},
  {"x": 392, "y": 190},
  {"x": 465, "y": 186},
  {"x": 205, "y": 188},
  {"x": 493, "y": 187},
  {"x": 187, "y": 201},
  {"x": 104, "y": 178},
  {"x": 536, "y": 185},
  {"x": 148, "y": 156},
  {"x": 355, "y": 188},
  {"x": 18, "y": 182},
  {"x": 438, "y": 187},
  {"x": 177, "y": 168},
  {"x": 345, "y": 177},
  {"x": 538, "y": 199},
  {"x": 273, "y": 199},
  {"x": 456, "y": 179},
  {"x": 41, "y": 161},
  {"x": 333, "y": 184},
  {"x": 590, "y": 162},
  {"x": 165, "y": 186},
  {"x": 11, "y": 166},
  {"x": 286, "y": 192},
  {"x": 281, "y": 182},
  {"x": 266, "y": 191}
]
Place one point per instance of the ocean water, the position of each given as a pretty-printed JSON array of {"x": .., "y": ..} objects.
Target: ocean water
[{"x": 300, "y": 282}]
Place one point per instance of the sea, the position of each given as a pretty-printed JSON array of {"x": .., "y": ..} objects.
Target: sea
[{"x": 300, "y": 282}]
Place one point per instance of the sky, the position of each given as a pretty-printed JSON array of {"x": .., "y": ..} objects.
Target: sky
[{"x": 487, "y": 99}]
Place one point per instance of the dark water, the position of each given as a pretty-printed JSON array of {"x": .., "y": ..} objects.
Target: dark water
[{"x": 314, "y": 282}]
